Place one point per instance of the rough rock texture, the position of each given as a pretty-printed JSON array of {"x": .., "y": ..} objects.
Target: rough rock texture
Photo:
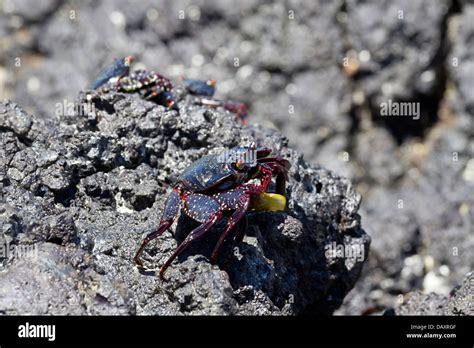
[
  {"x": 400, "y": 56},
  {"x": 266, "y": 54},
  {"x": 81, "y": 192},
  {"x": 459, "y": 301},
  {"x": 418, "y": 190}
]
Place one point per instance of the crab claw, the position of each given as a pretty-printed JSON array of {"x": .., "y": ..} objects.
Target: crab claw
[
  {"x": 280, "y": 168},
  {"x": 283, "y": 165}
]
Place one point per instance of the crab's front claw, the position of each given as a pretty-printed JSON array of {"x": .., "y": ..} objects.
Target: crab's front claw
[{"x": 277, "y": 164}]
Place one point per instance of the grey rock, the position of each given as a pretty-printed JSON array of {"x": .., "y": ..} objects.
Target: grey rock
[
  {"x": 53, "y": 280},
  {"x": 382, "y": 167},
  {"x": 459, "y": 301},
  {"x": 92, "y": 184},
  {"x": 420, "y": 304},
  {"x": 426, "y": 57},
  {"x": 401, "y": 47},
  {"x": 400, "y": 58},
  {"x": 30, "y": 10},
  {"x": 461, "y": 58}
]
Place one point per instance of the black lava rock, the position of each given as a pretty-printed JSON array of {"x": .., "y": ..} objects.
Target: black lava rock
[
  {"x": 459, "y": 301},
  {"x": 82, "y": 191}
]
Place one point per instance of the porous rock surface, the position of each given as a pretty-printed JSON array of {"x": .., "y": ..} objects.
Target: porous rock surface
[
  {"x": 80, "y": 192},
  {"x": 458, "y": 302}
]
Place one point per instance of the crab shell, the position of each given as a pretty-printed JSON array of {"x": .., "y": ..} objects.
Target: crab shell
[
  {"x": 141, "y": 79},
  {"x": 217, "y": 173}
]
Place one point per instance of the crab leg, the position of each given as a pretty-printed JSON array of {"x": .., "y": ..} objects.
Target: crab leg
[
  {"x": 239, "y": 109},
  {"x": 233, "y": 220},
  {"x": 241, "y": 208},
  {"x": 280, "y": 160},
  {"x": 195, "y": 234},
  {"x": 203, "y": 209},
  {"x": 169, "y": 214},
  {"x": 277, "y": 164},
  {"x": 239, "y": 200},
  {"x": 240, "y": 230}
]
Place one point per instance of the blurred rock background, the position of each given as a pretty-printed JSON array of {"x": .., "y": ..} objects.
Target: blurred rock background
[{"x": 318, "y": 71}]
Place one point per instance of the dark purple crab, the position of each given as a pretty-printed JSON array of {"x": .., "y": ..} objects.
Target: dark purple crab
[
  {"x": 150, "y": 84},
  {"x": 213, "y": 185},
  {"x": 154, "y": 86}
]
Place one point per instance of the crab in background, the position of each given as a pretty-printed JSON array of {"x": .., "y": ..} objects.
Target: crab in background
[
  {"x": 155, "y": 87},
  {"x": 149, "y": 84},
  {"x": 217, "y": 184},
  {"x": 205, "y": 89}
]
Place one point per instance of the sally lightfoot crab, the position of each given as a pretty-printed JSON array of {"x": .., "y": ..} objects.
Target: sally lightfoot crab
[
  {"x": 153, "y": 86},
  {"x": 237, "y": 108},
  {"x": 214, "y": 185},
  {"x": 149, "y": 84}
]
